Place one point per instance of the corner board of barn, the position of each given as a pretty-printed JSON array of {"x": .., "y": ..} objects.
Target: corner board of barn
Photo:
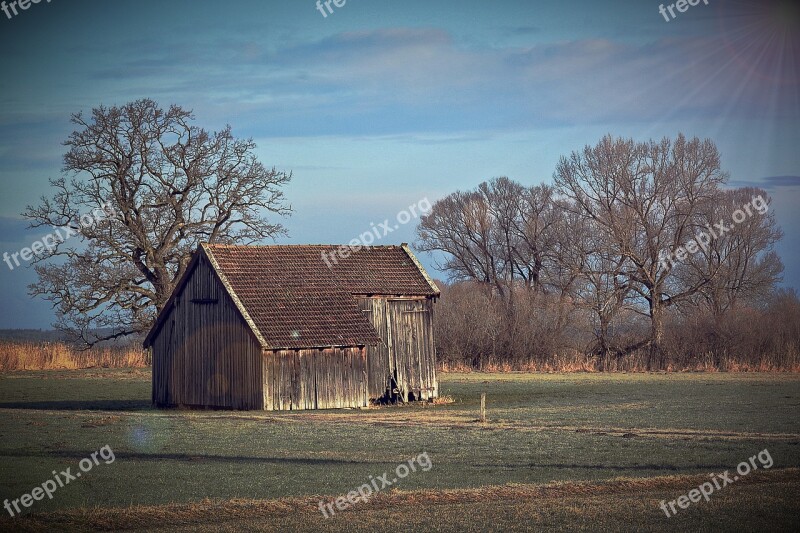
[{"x": 290, "y": 327}]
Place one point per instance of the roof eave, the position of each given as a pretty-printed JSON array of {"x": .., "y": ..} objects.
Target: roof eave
[
  {"x": 321, "y": 346},
  {"x": 421, "y": 269},
  {"x": 236, "y": 301}
]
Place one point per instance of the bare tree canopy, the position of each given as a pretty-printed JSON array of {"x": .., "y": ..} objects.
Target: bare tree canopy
[
  {"x": 167, "y": 185},
  {"x": 499, "y": 234},
  {"x": 644, "y": 198},
  {"x": 740, "y": 265}
]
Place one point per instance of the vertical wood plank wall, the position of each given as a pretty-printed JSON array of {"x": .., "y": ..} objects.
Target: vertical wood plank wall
[
  {"x": 412, "y": 348},
  {"x": 330, "y": 378},
  {"x": 407, "y": 352},
  {"x": 204, "y": 354},
  {"x": 378, "y": 367}
]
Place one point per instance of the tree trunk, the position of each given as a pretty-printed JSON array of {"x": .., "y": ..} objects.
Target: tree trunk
[
  {"x": 604, "y": 356},
  {"x": 656, "y": 332}
]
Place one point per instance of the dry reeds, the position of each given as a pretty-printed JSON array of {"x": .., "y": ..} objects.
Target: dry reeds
[{"x": 59, "y": 356}]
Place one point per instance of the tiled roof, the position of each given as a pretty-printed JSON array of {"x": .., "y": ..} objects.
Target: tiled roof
[
  {"x": 296, "y": 300},
  {"x": 379, "y": 270}
]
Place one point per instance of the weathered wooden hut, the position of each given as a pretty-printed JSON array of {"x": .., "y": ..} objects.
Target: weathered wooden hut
[{"x": 296, "y": 327}]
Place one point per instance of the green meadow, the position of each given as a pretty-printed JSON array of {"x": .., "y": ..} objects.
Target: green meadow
[{"x": 558, "y": 451}]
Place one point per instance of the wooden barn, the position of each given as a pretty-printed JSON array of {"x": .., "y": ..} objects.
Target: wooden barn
[{"x": 296, "y": 327}]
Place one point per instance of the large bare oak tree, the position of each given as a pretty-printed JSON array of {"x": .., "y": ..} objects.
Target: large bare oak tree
[{"x": 169, "y": 185}]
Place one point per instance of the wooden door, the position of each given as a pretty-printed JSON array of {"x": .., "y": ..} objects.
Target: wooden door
[{"x": 411, "y": 349}]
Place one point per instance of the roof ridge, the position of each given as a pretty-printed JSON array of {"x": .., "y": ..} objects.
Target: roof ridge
[{"x": 244, "y": 246}]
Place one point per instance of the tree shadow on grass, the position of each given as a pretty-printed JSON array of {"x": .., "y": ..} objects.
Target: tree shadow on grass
[
  {"x": 308, "y": 461},
  {"x": 186, "y": 457},
  {"x": 81, "y": 405}
]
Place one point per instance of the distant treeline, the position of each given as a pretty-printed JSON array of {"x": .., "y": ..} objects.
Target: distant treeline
[
  {"x": 32, "y": 335},
  {"x": 639, "y": 256},
  {"x": 56, "y": 336}
]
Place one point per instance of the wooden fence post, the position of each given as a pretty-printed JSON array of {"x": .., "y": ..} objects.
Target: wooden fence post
[{"x": 483, "y": 407}]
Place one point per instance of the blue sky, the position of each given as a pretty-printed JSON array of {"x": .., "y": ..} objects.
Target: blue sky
[{"x": 382, "y": 104}]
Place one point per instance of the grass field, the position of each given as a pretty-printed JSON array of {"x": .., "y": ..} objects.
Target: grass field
[{"x": 560, "y": 451}]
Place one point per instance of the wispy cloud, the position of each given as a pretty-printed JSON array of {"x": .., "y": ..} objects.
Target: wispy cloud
[
  {"x": 770, "y": 183},
  {"x": 428, "y": 74}
]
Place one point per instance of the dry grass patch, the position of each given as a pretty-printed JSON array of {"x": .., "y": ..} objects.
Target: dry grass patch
[
  {"x": 444, "y": 400},
  {"x": 16, "y": 356}
]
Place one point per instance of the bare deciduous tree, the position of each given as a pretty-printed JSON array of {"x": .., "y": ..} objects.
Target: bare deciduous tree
[
  {"x": 644, "y": 198},
  {"x": 171, "y": 185},
  {"x": 597, "y": 279},
  {"x": 502, "y": 236},
  {"x": 460, "y": 225},
  {"x": 585, "y": 265}
]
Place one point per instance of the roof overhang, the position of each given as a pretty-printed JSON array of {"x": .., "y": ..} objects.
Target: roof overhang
[{"x": 421, "y": 269}]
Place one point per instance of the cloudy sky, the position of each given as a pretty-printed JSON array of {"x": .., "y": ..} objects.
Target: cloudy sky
[{"x": 381, "y": 104}]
